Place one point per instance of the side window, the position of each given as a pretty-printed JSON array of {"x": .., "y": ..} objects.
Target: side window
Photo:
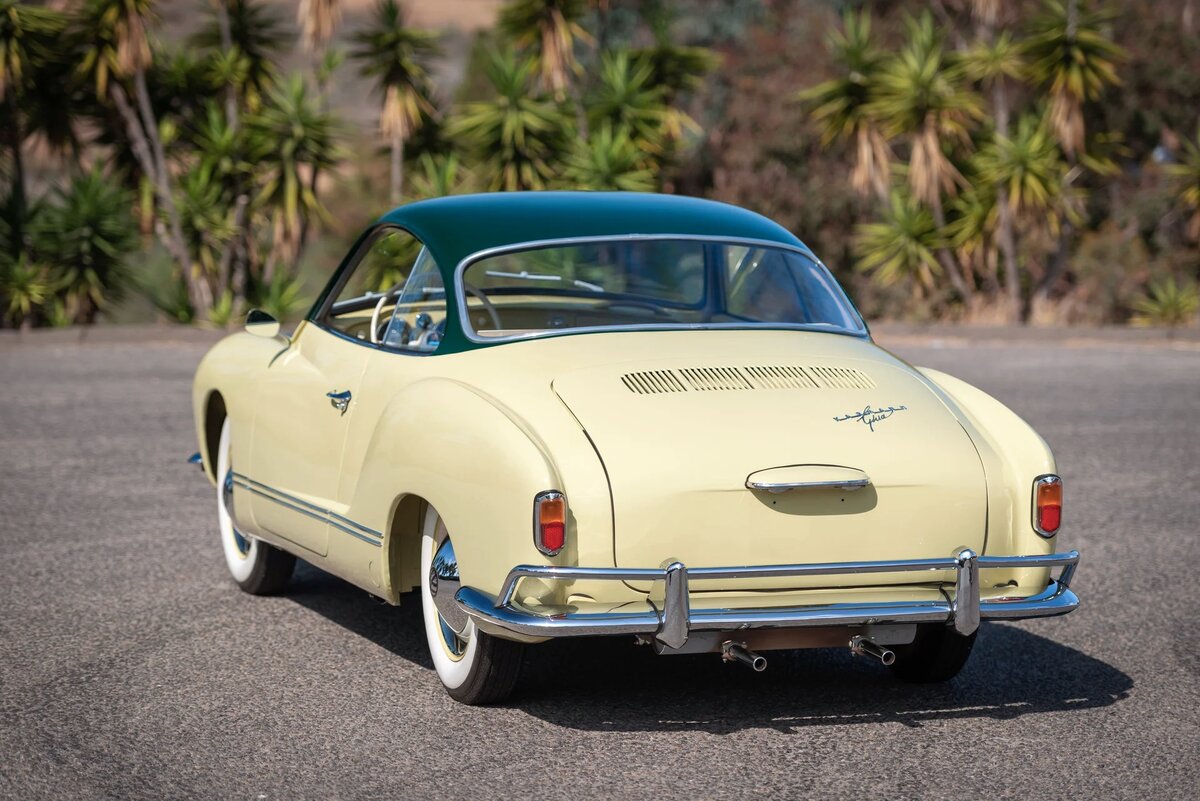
[
  {"x": 418, "y": 319},
  {"x": 363, "y": 304}
]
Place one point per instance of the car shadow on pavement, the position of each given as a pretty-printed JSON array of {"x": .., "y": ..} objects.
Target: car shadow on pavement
[{"x": 611, "y": 684}]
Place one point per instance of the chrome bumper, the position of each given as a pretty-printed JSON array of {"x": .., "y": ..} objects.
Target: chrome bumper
[{"x": 672, "y": 619}]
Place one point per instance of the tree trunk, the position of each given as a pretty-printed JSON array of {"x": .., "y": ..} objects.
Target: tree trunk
[
  {"x": 1008, "y": 248},
  {"x": 18, "y": 188},
  {"x": 946, "y": 258},
  {"x": 397, "y": 168},
  {"x": 1058, "y": 266},
  {"x": 200, "y": 294},
  {"x": 231, "y": 105}
]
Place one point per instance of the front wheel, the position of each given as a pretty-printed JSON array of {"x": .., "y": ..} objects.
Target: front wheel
[
  {"x": 258, "y": 568},
  {"x": 474, "y": 667},
  {"x": 937, "y": 653}
]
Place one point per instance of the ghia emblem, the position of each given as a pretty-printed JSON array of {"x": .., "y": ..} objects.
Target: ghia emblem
[{"x": 870, "y": 417}]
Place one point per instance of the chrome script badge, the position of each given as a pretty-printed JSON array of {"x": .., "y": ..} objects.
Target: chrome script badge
[{"x": 870, "y": 417}]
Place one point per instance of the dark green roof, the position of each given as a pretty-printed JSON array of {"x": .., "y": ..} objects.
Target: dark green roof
[{"x": 455, "y": 227}]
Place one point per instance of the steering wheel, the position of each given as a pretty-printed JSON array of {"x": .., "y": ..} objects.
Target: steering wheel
[
  {"x": 488, "y": 306},
  {"x": 375, "y": 337}
]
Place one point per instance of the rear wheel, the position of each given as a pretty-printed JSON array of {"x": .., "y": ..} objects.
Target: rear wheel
[
  {"x": 258, "y": 568},
  {"x": 937, "y": 653},
  {"x": 474, "y": 666}
]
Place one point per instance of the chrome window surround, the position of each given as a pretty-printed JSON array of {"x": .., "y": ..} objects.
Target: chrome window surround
[
  {"x": 537, "y": 244},
  {"x": 1048, "y": 478},
  {"x": 671, "y": 619}
]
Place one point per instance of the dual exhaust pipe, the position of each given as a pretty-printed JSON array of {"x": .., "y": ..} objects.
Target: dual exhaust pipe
[{"x": 859, "y": 646}]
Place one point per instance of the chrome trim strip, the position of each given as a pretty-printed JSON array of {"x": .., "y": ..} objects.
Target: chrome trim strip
[
  {"x": 341, "y": 523},
  {"x": 460, "y": 295},
  {"x": 676, "y": 619},
  {"x": 849, "y": 485}
]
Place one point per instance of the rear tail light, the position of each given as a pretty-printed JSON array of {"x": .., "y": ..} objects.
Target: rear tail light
[
  {"x": 1047, "y": 505},
  {"x": 550, "y": 522}
]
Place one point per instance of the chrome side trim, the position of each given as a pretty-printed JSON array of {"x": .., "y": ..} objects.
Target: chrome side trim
[
  {"x": 339, "y": 522},
  {"x": 676, "y": 619},
  {"x": 460, "y": 295}
]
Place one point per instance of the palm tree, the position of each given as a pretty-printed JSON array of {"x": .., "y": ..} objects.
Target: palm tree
[
  {"x": 1029, "y": 175},
  {"x": 117, "y": 48},
  {"x": 840, "y": 105},
  {"x": 903, "y": 245},
  {"x": 548, "y": 31},
  {"x": 295, "y": 137},
  {"x": 515, "y": 137},
  {"x": 26, "y": 36},
  {"x": 439, "y": 175},
  {"x": 396, "y": 55},
  {"x": 88, "y": 233},
  {"x": 1070, "y": 54},
  {"x": 922, "y": 95},
  {"x": 608, "y": 159},
  {"x": 1185, "y": 176}
]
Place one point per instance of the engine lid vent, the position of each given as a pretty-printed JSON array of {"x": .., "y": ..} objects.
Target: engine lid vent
[{"x": 706, "y": 379}]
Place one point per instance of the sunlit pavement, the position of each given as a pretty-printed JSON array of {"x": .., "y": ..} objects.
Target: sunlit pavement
[{"x": 131, "y": 667}]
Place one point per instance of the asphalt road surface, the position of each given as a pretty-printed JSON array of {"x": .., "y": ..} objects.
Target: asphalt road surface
[{"x": 132, "y": 667}]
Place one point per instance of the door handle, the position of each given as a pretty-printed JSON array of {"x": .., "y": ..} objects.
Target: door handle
[{"x": 339, "y": 400}]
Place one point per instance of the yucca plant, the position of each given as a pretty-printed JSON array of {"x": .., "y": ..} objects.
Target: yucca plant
[
  {"x": 283, "y": 297},
  {"x": 902, "y": 245},
  {"x": 608, "y": 159},
  {"x": 547, "y": 30},
  {"x": 1168, "y": 304},
  {"x": 1071, "y": 54},
  {"x": 396, "y": 55},
  {"x": 840, "y": 104},
  {"x": 517, "y": 137},
  {"x": 24, "y": 288},
  {"x": 87, "y": 232},
  {"x": 626, "y": 98}
]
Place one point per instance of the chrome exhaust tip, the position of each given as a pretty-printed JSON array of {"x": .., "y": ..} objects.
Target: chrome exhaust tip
[
  {"x": 861, "y": 646},
  {"x": 738, "y": 652}
]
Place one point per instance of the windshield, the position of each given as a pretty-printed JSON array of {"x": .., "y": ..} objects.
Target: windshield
[{"x": 656, "y": 283}]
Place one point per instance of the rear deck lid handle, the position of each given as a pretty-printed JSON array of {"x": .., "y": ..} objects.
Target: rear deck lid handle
[{"x": 807, "y": 477}]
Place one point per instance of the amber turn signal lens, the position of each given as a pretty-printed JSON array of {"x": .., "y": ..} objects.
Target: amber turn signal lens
[
  {"x": 1047, "y": 505},
  {"x": 550, "y": 522}
]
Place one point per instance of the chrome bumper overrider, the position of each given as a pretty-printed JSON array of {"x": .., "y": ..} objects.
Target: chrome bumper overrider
[{"x": 672, "y": 619}]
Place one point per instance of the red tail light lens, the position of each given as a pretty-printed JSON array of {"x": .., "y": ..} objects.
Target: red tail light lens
[
  {"x": 1047, "y": 505},
  {"x": 550, "y": 522}
]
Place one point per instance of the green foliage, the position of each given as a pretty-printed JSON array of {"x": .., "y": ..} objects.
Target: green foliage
[
  {"x": 547, "y": 30},
  {"x": 516, "y": 137},
  {"x": 608, "y": 159},
  {"x": 283, "y": 298},
  {"x": 1185, "y": 179},
  {"x": 24, "y": 288},
  {"x": 440, "y": 175},
  {"x": 901, "y": 245},
  {"x": 396, "y": 56},
  {"x": 87, "y": 233},
  {"x": 1028, "y": 165},
  {"x": 258, "y": 36},
  {"x": 27, "y": 34},
  {"x": 224, "y": 310},
  {"x": 1167, "y": 303}
]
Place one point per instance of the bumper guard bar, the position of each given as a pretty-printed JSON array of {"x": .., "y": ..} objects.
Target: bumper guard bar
[{"x": 672, "y": 619}]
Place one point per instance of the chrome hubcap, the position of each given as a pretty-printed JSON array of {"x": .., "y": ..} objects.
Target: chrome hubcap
[
  {"x": 443, "y": 586},
  {"x": 242, "y": 543}
]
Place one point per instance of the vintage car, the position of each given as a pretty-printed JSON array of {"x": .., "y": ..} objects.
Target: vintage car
[{"x": 563, "y": 414}]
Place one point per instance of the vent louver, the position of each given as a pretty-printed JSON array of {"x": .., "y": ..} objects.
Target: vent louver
[{"x": 708, "y": 379}]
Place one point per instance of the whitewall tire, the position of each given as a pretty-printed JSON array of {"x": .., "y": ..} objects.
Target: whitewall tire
[
  {"x": 475, "y": 667},
  {"x": 257, "y": 567}
]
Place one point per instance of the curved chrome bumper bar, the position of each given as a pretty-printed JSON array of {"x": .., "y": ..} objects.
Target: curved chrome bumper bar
[{"x": 672, "y": 618}]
